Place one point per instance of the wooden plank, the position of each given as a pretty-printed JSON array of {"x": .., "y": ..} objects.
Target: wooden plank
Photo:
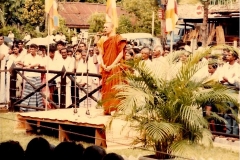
[
  {"x": 28, "y": 127},
  {"x": 185, "y": 38},
  {"x": 211, "y": 36},
  {"x": 220, "y": 35},
  {"x": 100, "y": 137},
  {"x": 66, "y": 122},
  {"x": 62, "y": 135},
  {"x": 20, "y": 122}
]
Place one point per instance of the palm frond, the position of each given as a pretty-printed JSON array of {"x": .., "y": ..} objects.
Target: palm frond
[
  {"x": 192, "y": 118},
  {"x": 183, "y": 148},
  {"x": 159, "y": 131}
]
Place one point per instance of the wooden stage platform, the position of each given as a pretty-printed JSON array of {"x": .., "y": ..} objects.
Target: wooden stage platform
[{"x": 67, "y": 126}]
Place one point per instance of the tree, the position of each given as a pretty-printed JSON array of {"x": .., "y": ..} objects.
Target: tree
[
  {"x": 33, "y": 13},
  {"x": 10, "y": 11},
  {"x": 96, "y": 22},
  {"x": 125, "y": 24},
  {"x": 204, "y": 24},
  {"x": 142, "y": 11}
]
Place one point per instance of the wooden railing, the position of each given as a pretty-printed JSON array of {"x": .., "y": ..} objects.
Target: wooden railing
[{"x": 16, "y": 103}]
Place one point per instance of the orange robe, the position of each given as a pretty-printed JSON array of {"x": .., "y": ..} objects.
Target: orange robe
[{"x": 111, "y": 49}]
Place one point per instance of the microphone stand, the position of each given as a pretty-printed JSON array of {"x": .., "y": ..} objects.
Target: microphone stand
[
  {"x": 87, "y": 111},
  {"x": 75, "y": 82}
]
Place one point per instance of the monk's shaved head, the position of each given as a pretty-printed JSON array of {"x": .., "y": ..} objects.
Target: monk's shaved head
[
  {"x": 110, "y": 24},
  {"x": 108, "y": 28}
]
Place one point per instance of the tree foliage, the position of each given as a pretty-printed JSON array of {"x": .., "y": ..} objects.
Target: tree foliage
[
  {"x": 143, "y": 11},
  {"x": 125, "y": 24},
  {"x": 96, "y": 22},
  {"x": 33, "y": 13},
  {"x": 9, "y": 13}
]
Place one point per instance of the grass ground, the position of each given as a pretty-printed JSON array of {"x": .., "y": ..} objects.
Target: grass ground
[{"x": 7, "y": 132}]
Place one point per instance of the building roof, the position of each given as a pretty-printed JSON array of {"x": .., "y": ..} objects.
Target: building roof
[
  {"x": 189, "y": 11},
  {"x": 77, "y": 14}
]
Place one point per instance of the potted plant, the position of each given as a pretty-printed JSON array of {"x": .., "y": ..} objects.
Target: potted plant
[{"x": 163, "y": 105}]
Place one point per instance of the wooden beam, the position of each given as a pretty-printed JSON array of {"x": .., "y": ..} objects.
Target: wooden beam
[
  {"x": 100, "y": 137},
  {"x": 62, "y": 135}
]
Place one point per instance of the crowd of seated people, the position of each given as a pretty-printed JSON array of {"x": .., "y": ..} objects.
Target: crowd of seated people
[{"x": 40, "y": 149}]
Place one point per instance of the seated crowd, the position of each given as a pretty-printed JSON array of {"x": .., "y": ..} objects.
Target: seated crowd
[{"x": 40, "y": 149}]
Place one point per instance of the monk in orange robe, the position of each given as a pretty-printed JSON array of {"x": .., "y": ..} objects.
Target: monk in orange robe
[{"x": 111, "y": 48}]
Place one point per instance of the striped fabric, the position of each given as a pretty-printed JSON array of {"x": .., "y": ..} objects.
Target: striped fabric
[{"x": 35, "y": 100}]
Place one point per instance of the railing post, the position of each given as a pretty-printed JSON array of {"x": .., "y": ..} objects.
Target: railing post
[
  {"x": 63, "y": 89},
  {"x": 12, "y": 90}
]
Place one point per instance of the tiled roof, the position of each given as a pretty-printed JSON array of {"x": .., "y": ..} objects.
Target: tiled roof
[{"x": 77, "y": 14}]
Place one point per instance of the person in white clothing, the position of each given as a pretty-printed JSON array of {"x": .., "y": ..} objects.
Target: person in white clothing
[
  {"x": 230, "y": 70},
  {"x": 57, "y": 37},
  {"x": 74, "y": 39},
  {"x": 51, "y": 63},
  {"x": 17, "y": 59},
  {"x": 65, "y": 61},
  {"x": 22, "y": 50},
  {"x": 32, "y": 61},
  {"x": 3, "y": 57},
  {"x": 146, "y": 55},
  {"x": 11, "y": 35},
  {"x": 60, "y": 45},
  {"x": 27, "y": 37},
  {"x": 159, "y": 63},
  {"x": 228, "y": 76},
  {"x": 62, "y": 37},
  {"x": 88, "y": 82}
]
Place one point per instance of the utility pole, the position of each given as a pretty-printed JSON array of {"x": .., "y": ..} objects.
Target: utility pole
[{"x": 162, "y": 8}]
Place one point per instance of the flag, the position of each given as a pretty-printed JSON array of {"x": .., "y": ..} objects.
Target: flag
[
  {"x": 53, "y": 17},
  {"x": 48, "y": 5},
  {"x": 171, "y": 15},
  {"x": 111, "y": 13}
]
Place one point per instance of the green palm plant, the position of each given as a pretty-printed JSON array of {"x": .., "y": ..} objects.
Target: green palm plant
[{"x": 163, "y": 105}]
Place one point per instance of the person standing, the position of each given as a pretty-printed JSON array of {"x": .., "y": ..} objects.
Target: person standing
[
  {"x": 3, "y": 57},
  {"x": 11, "y": 36},
  {"x": 228, "y": 75},
  {"x": 65, "y": 61},
  {"x": 111, "y": 48},
  {"x": 17, "y": 59},
  {"x": 32, "y": 61},
  {"x": 27, "y": 37},
  {"x": 74, "y": 39}
]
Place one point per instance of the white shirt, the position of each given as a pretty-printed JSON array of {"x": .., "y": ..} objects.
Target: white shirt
[
  {"x": 4, "y": 50},
  {"x": 159, "y": 66},
  {"x": 50, "y": 64},
  {"x": 82, "y": 67},
  {"x": 67, "y": 64},
  {"x": 27, "y": 37},
  {"x": 74, "y": 40},
  {"x": 11, "y": 36},
  {"x": 32, "y": 60},
  {"x": 23, "y": 52},
  {"x": 57, "y": 55},
  {"x": 62, "y": 38},
  {"x": 231, "y": 72},
  {"x": 64, "y": 62},
  {"x": 57, "y": 37},
  {"x": 15, "y": 58}
]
